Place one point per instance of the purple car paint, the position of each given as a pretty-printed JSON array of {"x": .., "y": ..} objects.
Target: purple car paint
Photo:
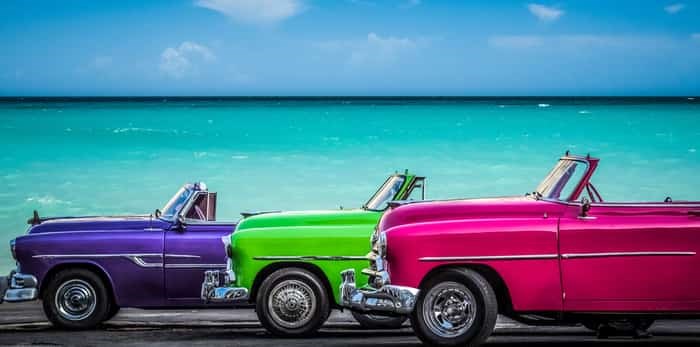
[{"x": 145, "y": 261}]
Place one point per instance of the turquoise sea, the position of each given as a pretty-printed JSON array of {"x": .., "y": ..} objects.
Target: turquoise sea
[{"x": 128, "y": 156}]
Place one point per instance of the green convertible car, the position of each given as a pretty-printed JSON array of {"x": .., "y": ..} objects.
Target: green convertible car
[{"x": 289, "y": 263}]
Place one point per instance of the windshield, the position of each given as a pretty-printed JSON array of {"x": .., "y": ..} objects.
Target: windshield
[
  {"x": 417, "y": 192},
  {"x": 176, "y": 202},
  {"x": 385, "y": 194},
  {"x": 562, "y": 180}
]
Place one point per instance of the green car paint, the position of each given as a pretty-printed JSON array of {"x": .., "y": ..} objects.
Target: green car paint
[{"x": 331, "y": 241}]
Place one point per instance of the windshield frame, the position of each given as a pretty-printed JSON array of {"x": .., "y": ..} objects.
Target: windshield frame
[
  {"x": 371, "y": 205},
  {"x": 174, "y": 199},
  {"x": 555, "y": 176}
]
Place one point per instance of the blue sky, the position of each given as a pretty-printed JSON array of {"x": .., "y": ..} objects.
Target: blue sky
[{"x": 349, "y": 47}]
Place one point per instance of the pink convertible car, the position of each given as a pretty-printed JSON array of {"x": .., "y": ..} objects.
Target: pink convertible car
[{"x": 560, "y": 254}]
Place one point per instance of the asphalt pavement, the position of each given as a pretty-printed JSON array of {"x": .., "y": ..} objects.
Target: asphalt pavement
[{"x": 25, "y": 325}]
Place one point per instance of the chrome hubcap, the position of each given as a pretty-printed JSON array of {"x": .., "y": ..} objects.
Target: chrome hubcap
[
  {"x": 75, "y": 300},
  {"x": 292, "y": 304},
  {"x": 449, "y": 309}
]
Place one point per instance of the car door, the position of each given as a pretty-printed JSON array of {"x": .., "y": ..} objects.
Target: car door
[
  {"x": 188, "y": 253},
  {"x": 630, "y": 257},
  {"x": 192, "y": 246}
]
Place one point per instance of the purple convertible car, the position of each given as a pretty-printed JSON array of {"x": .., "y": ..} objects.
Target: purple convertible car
[{"x": 86, "y": 268}]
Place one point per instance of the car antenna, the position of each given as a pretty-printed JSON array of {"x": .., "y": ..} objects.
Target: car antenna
[{"x": 588, "y": 156}]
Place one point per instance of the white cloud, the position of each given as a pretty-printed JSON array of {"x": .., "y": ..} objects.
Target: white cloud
[
  {"x": 545, "y": 13},
  {"x": 577, "y": 41},
  {"x": 674, "y": 8},
  {"x": 374, "y": 50},
  {"x": 410, "y": 3},
  {"x": 178, "y": 62},
  {"x": 515, "y": 41},
  {"x": 363, "y": 3},
  {"x": 254, "y": 11}
]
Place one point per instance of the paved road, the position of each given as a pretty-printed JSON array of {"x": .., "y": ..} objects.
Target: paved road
[{"x": 25, "y": 324}]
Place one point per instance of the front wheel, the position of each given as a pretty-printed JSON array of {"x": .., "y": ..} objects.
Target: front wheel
[
  {"x": 113, "y": 311},
  {"x": 456, "y": 307},
  {"x": 292, "y": 302},
  {"x": 76, "y": 299},
  {"x": 370, "y": 321}
]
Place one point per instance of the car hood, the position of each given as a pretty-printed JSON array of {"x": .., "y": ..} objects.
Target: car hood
[
  {"x": 98, "y": 223},
  {"x": 310, "y": 218},
  {"x": 483, "y": 208}
]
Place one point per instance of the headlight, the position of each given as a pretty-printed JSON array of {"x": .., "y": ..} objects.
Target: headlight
[{"x": 12, "y": 249}]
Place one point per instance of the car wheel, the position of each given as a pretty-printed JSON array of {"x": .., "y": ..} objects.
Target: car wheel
[
  {"x": 113, "y": 311},
  {"x": 292, "y": 302},
  {"x": 76, "y": 299},
  {"x": 370, "y": 321},
  {"x": 457, "y": 307}
]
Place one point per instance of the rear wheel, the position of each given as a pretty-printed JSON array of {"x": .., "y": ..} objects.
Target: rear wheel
[
  {"x": 370, "y": 321},
  {"x": 292, "y": 302},
  {"x": 76, "y": 299},
  {"x": 456, "y": 307}
]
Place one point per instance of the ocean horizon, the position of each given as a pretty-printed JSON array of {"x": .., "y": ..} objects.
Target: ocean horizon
[{"x": 70, "y": 156}]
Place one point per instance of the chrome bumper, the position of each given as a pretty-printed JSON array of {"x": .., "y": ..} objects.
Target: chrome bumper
[
  {"x": 389, "y": 299},
  {"x": 18, "y": 287},
  {"x": 215, "y": 287}
]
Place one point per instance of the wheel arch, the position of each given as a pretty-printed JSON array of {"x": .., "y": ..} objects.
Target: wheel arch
[
  {"x": 90, "y": 266},
  {"x": 271, "y": 268},
  {"x": 505, "y": 304}
]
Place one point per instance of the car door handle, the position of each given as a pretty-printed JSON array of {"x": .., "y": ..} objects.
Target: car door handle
[
  {"x": 694, "y": 213},
  {"x": 587, "y": 218}
]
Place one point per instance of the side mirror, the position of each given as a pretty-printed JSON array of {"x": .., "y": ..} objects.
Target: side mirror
[
  {"x": 585, "y": 207},
  {"x": 180, "y": 224}
]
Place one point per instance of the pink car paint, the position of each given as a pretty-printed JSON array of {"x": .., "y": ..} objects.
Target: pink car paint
[{"x": 552, "y": 257}]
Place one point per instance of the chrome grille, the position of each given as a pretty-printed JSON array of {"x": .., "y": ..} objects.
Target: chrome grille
[{"x": 377, "y": 263}]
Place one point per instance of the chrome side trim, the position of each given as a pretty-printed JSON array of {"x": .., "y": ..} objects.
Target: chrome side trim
[
  {"x": 493, "y": 257},
  {"x": 104, "y": 255},
  {"x": 194, "y": 266},
  {"x": 75, "y": 232},
  {"x": 135, "y": 258},
  {"x": 182, "y": 256},
  {"x": 142, "y": 263},
  {"x": 313, "y": 257},
  {"x": 624, "y": 254}
]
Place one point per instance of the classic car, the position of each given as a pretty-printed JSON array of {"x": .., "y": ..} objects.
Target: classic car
[
  {"x": 288, "y": 263},
  {"x": 86, "y": 268},
  {"x": 560, "y": 254}
]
